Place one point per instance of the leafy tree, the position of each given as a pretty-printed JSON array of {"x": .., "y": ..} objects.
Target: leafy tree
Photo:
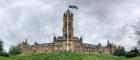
[
  {"x": 1, "y": 46},
  {"x": 120, "y": 51},
  {"x": 132, "y": 53},
  {"x": 14, "y": 50},
  {"x": 135, "y": 50},
  {"x": 1, "y": 50}
]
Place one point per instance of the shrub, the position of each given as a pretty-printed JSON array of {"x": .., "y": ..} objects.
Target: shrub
[
  {"x": 4, "y": 54},
  {"x": 131, "y": 54}
]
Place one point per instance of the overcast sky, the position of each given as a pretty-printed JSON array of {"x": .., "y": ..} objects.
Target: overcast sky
[{"x": 95, "y": 20}]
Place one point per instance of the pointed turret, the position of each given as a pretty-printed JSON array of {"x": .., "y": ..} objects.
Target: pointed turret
[
  {"x": 54, "y": 38},
  {"x": 68, "y": 12}
]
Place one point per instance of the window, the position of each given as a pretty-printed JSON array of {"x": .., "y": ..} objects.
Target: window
[
  {"x": 68, "y": 44},
  {"x": 65, "y": 35}
]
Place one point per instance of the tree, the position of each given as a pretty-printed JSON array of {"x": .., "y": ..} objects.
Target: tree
[
  {"x": 1, "y": 50},
  {"x": 14, "y": 50},
  {"x": 136, "y": 27},
  {"x": 135, "y": 50},
  {"x": 120, "y": 51},
  {"x": 1, "y": 46},
  {"x": 132, "y": 53}
]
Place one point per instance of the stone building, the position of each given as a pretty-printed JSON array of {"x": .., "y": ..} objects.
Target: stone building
[
  {"x": 67, "y": 42},
  {"x": 25, "y": 47}
]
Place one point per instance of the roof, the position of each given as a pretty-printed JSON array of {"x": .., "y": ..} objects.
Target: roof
[
  {"x": 61, "y": 38},
  {"x": 91, "y": 45},
  {"x": 44, "y": 44},
  {"x": 76, "y": 38}
]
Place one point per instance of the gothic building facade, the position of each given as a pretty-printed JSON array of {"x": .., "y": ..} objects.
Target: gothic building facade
[{"x": 67, "y": 42}]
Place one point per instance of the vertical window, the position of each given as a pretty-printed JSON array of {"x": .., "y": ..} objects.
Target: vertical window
[{"x": 65, "y": 35}]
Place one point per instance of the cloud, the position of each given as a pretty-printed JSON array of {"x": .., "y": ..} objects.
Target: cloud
[{"x": 96, "y": 20}]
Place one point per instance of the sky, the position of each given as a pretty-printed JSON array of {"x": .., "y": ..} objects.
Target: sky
[{"x": 96, "y": 21}]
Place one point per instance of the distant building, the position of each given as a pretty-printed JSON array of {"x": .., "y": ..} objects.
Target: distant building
[
  {"x": 25, "y": 47},
  {"x": 67, "y": 42}
]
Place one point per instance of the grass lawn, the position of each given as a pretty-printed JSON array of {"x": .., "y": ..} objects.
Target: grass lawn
[
  {"x": 134, "y": 58},
  {"x": 66, "y": 56}
]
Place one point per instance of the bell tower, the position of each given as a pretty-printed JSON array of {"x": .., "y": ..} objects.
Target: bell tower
[
  {"x": 68, "y": 31},
  {"x": 68, "y": 25}
]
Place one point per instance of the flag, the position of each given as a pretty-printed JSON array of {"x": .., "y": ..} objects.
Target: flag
[{"x": 73, "y": 6}]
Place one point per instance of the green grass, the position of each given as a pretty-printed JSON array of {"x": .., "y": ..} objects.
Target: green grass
[
  {"x": 66, "y": 56},
  {"x": 134, "y": 58}
]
